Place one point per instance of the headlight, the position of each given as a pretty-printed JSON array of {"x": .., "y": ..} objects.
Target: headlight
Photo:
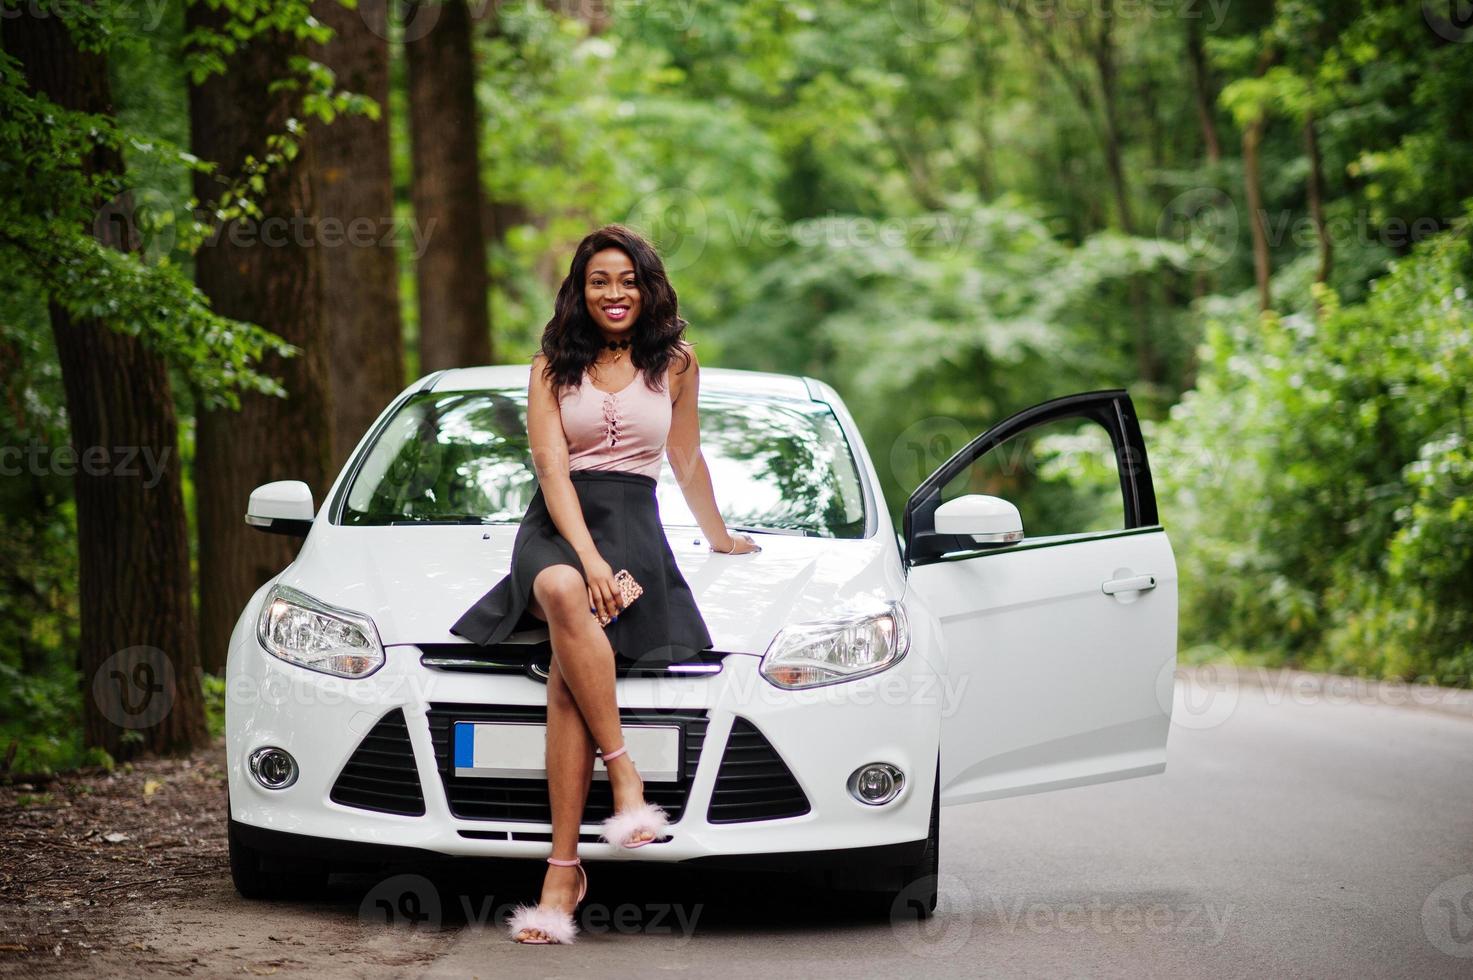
[
  {"x": 310, "y": 633},
  {"x": 841, "y": 649}
]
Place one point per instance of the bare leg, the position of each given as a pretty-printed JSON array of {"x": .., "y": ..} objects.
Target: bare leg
[
  {"x": 569, "y": 770},
  {"x": 587, "y": 663}
]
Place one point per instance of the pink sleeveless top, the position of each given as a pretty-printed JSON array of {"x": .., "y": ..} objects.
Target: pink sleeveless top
[{"x": 622, "y": 430}]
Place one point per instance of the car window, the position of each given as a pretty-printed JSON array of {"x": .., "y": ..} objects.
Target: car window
[
  {"x": 1060, "y": 474},
  {"x": 462, "y": 457}
]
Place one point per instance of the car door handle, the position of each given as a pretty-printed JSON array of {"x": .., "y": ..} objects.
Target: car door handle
[{"x": 1137, "y": 583}]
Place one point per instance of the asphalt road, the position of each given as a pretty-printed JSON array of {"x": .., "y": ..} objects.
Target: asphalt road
[{"x": 1297, "y": 832}]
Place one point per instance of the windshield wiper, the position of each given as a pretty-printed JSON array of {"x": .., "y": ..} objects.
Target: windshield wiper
[
  {"x": 800, "y": 532},
  {"x": 446, "y": 519}
]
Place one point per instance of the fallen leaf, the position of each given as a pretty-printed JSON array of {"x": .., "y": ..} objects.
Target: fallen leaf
[{"x": 151, "y": 787}]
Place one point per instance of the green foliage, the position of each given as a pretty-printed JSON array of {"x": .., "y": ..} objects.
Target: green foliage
[
  {"x": 214, "y": 691},
  {"x": 913, "y": 202},
  {"x": 1318, "y": 479},
  {"x": 41, "y": 723}
]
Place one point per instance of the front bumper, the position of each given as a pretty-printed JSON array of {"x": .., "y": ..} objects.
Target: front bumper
[{"x": 820, "y": 736}]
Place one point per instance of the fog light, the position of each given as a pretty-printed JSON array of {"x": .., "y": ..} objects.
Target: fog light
[
  {"x": 876, "y": 783},
  {"x": 273, "y": 768}
]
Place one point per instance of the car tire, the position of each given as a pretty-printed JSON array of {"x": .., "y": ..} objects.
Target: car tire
[
  {"x": 920, "y": 881},
  {"x": 261, "y": 877},
  {"x": 908, "y": 891}
]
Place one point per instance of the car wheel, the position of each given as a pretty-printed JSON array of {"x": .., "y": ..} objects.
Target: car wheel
[
  {"x": 919, "y": 882},
  {"x": 260, "y": 876},
  {"x": 908, "y": 891}
]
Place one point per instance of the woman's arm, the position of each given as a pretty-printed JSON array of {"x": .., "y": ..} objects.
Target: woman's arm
[
  {"x": 549, "y": 446},
  {"x": 683, "y": 450}
]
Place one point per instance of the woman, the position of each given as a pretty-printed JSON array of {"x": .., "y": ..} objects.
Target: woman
[{"x": 613, "y": 389}]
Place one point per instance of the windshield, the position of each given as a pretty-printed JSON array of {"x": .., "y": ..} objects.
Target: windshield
[{"x": 462, "y": 457}]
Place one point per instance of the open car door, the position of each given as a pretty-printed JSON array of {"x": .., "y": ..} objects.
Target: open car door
[{"x": 1038, "y": 548}]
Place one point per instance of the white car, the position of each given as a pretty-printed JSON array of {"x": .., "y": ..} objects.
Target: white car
[{"x": 860, "y": 677}]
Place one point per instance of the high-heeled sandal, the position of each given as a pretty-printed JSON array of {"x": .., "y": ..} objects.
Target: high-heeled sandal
[
  {"x": 558, "y": 925},
  {"x": 623, "y": 827}
]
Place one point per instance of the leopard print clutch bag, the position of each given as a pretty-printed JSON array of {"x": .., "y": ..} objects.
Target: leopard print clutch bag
[{"x": 629, "y": 590}]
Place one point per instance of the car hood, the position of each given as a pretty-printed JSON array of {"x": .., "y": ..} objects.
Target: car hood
[{"x": 415, "y": 582}]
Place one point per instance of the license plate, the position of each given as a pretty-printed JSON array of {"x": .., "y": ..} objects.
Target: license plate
[{"x": 518, "y": 750}]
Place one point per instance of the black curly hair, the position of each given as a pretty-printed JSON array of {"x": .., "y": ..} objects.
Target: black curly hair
[{"x": 571, "y": 339}]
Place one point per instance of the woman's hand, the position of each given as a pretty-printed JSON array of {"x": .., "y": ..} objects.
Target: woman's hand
[
  {"x": 741, "y": 543},
  {"x": 603, "y": 594}
]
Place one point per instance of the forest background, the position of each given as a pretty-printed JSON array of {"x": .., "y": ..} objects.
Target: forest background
[{"x": 1251, "y": 215}]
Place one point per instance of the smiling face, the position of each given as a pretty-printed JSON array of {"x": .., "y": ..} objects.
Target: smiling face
[{"x": 611, "y": 292}]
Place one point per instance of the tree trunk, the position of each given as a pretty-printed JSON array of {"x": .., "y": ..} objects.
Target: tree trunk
[
  {"x": 139, "y": 657},
  {"x": 1146, "y": 360},
  {"x": 1202, "y": 90},
  {"x": 1315, "y": 190},
  {"x": 267, "y": 272},
  {"x": 355, "y": 200},
  {"x": 454, "y": 312},
  {"x": 1104, "y": 58},
  {"x": 1257, "y": 219},
  {"x": 1253, "y": 188}
]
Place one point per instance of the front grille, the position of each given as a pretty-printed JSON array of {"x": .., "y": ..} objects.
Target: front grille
[
  {"x": 514, "y": 658},
  {"x": 510, "y": 798},
  {"x": 381, "y": 774},
  {"x": 753, "y": 782}
]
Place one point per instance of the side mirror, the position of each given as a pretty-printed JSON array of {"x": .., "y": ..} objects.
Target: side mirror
[
  {"x": 283, "y": 507},
  {"x": 986, "y": 520}
]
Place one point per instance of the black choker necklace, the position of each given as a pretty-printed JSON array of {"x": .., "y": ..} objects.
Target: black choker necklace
[{"x": 617, "y": 344}]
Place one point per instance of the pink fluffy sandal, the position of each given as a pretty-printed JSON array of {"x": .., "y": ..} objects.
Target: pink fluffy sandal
[
  {"x": 624, "y": 827},
  {"x": 559, "y": 926}
]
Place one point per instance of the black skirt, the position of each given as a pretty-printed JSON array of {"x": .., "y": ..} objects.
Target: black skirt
[{"x": 661, "y": 627}]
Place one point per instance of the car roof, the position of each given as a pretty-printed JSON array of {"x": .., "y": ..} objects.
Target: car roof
[{"x": 713, "y": 379}]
